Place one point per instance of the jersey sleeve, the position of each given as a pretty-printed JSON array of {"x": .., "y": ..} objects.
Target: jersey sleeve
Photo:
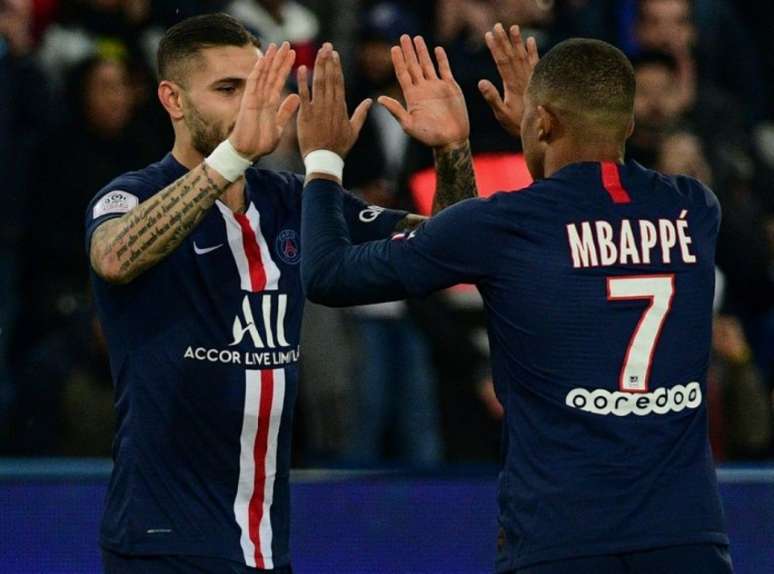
[
  {"x": 365, "y": 222},
  {"x": 368, "y": 222},
  {"x": 115, "y": 199},
  {"x": 441, "y": 252}
]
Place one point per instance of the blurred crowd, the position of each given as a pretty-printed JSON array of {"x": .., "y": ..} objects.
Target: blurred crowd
[{"x": 404, "y": 383}]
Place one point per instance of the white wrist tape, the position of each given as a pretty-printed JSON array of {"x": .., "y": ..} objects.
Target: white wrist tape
[
  {"x": 227, "y": 162},
  {"x": 324, "y": 161}
]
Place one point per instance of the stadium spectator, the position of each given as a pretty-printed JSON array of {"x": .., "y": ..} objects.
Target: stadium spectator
[
  {"x": 741, "y": 422},
  {"x": 99, "y": 137},
  {"x": 708, "y": 41},
  {"x": 111, "y": 28},
  {"x": 279, "y": 21},
  {"x": 65, "y": 396},
  {"x": 25, "y": 113}
]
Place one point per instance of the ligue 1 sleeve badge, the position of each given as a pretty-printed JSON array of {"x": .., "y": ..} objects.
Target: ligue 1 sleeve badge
[{"x": 288, "y": 247}]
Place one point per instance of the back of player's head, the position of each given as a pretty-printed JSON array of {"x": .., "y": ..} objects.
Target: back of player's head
[
  {"x": 588, "y": 83},
  {"x": 183, "y": 42}
]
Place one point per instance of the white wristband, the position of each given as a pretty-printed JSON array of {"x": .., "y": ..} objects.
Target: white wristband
[
  {"x": 324, "y": 161},
  {"x": 227, "y": 162}
]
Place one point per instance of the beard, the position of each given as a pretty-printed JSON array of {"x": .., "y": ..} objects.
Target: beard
[{"x": 205, "y": 135}]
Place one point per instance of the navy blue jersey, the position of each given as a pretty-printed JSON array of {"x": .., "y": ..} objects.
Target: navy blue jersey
[
  {"x": 598, "y": 284},
  {"x": 204, "y": 350}
]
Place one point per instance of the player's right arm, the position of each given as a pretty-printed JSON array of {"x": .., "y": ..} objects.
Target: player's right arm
[{"x": 124, "y": 247}]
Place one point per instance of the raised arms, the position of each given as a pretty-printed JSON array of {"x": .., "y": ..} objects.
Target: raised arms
[
  {"x": 123, "y": 248},
  {"x": 436, "y": 115}
]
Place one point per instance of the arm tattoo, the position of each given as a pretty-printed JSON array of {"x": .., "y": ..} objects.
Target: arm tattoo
[
  {"x": 142, "y": 237},
  {"x": 455, "y": 178},
  {"x": 409, "y": 223}
]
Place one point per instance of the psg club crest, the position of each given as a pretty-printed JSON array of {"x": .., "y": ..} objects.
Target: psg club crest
[{"x": 288, "y": 247}]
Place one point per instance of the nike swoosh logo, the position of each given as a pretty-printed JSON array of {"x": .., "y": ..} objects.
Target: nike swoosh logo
[{"x": 202, "y": 250}]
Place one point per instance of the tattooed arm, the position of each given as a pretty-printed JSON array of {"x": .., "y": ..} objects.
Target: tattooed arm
[
  {"x": 123, "y": 248},
  {"x": 455, "y": 179}
]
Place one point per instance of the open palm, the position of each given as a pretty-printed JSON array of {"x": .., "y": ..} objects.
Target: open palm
[{"x": 435, "y": 111}]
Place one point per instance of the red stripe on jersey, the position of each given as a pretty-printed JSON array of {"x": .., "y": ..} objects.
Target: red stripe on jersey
[
  {"x": 255, "y": 511},
  {"x": 253, "y": 253},
  {"x": 611, "y": 180}
]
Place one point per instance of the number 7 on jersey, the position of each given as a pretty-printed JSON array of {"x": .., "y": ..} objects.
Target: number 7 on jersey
[{"x": 658, "y": 290}]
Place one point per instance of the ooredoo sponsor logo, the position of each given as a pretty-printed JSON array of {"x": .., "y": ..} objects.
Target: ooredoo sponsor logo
[{"x": 659, "y": 402}]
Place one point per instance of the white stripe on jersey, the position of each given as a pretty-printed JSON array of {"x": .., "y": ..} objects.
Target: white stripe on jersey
[
  {"x": 270, "y": 268},
  {"x": 236, "y": 243},
  {"x": 265, "y": 530},
  {"x": 247, "y": 464}
]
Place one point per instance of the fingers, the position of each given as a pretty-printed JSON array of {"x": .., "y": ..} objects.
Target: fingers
[
  {"x": 329, "y": 75},
  {"x": 284, "y": 65},
  {"x": 492, "y": 96},
  {"x": 359, "y": 116},
  {"x": 515, "y": 42},
  {"x": 302, "y": 77},
  {"x": 287, "y": 109},
  {"x": 397, "y": 110},
  {"x": 443, "y": 64},
  {"x": 274, "y": 65},
  {"x": 532, "y": 52},
  {"x": 410, "y": 56},
  {"x": 401, "y": 69},
  {"x": 318, "y": 77},
  {"x": 339, "y": 90},
  {"x": 425, "y": 62}
]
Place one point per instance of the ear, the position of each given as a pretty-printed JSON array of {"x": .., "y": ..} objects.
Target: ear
[
  {"x": 546, "y": 125},
  {"x": 170, "y": 96},
  {"x": 630, "y": 128}
]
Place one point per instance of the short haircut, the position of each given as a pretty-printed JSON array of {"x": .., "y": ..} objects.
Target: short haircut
[
  {"x": 590, "y": 81},
  {"x": 655, "y": 58},
  {"x": 186, "y": 39}
]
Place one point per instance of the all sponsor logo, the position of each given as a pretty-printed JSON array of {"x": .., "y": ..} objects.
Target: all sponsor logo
[{"x": 270, "y": 348}]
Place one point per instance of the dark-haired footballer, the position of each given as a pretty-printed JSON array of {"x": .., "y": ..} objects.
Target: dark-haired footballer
[
  {"x": 195, "y": 273},
  {"x": 598, "y": 280}
]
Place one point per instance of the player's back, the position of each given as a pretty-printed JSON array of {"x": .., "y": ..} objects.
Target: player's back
[{"x": 600, "y": 311}]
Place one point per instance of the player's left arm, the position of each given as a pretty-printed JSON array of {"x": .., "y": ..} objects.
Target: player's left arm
[
  {"x": 436, "y": 115},
  {"x": 442, "y": 252},
  {"x": 335, "y": 271}
]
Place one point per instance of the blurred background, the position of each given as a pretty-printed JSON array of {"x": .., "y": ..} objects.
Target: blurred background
[{"x": 401, "y": 385}]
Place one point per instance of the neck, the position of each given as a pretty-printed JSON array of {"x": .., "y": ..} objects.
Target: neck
[
  {"x": 186, "y": 155},
  {"x": 562, "y": 154}
]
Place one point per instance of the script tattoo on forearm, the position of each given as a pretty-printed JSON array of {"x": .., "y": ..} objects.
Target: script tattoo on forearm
[
  {"x": 455, "y": 178},
  {"x": 151, "y": 231}
]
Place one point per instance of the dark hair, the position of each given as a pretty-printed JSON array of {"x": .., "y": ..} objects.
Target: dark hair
[
  {"x": 187, "y": 38},
  {"x": 589, "y": 79},
  {"x": 655, "y": 58}
]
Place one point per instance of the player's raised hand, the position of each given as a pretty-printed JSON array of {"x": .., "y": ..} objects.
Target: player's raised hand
[
  {"x": 263, "y": 113},
  {"x": 515, "y": 61},
  {"x": 324, "y": 122},
  {"x": 435, "y": 111}
]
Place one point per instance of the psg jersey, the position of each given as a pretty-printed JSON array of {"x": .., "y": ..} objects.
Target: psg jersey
[
  {"x": 204, "y": 351},
  {"x": 598, "y": 284}
]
